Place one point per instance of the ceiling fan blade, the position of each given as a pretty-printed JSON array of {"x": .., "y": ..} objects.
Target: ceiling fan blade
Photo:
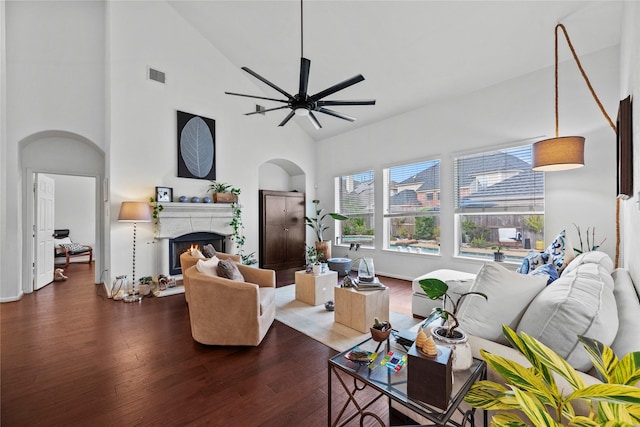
[
  {"x": 336, "y": 114},
  {"x": 266, "y": 111},
  {"x": 312, "y": 118},
  {"x": 256, "y": 97},
  {"x": 305, "y": 65},
  {"x": 267, "y": 82},
  {"x": 354, "y": 102},
  {"x": 337, "y": 87},
  {"x": 286, "y": 119}
]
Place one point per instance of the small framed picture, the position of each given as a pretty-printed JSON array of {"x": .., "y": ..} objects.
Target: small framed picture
[{"x": 164, "y": 194}]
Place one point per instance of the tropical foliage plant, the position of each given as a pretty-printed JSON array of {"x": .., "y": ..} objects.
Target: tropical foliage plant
[
  {"x": 534, "y": 391},
  {"x": 317, "y": 222},
  {"x": 436, "y": 289}
]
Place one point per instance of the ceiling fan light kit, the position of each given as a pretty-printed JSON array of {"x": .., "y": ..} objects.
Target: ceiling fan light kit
[{"x": 302, "y": 104}]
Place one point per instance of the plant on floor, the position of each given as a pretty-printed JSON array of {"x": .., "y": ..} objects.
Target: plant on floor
[
  {"x": 317, "y": 223},
  {"x": 534, "y": 391},
  {"x": 436, "y": 289}
]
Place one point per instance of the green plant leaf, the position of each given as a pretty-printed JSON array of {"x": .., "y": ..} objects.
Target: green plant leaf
[
  {"x": 581, "y": 421},
  {"x": 489, "y": 395},
  {"x": 551, "y": 360},
  {"x": 627, "y": 371},
  {"x": 612, "y": 412},
  {"x": 519, "y": 376},
  {"x": 503, "y": 419},
  {"x": 603, "y": 358},
  {"x": 517, "y": 343},
  {"x": 434, "y": 288},
  {"x": 614, "y": 393},
  {"x": 338, "y": 217},
  {"x": 534, "y": 409},
  {"x": 634, "y": 413}
]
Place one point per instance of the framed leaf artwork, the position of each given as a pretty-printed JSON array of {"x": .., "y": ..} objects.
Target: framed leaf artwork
[{"x": 196, "y": 146}]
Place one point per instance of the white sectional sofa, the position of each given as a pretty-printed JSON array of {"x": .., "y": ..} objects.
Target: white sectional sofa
[{"x": 589, "y": 298}]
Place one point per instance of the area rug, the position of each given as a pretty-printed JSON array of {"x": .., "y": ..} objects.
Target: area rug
[{"x": 317, "y": 323}]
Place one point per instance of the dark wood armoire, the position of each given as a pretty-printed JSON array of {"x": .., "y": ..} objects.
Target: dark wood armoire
[{"x": 282, "y": 233}]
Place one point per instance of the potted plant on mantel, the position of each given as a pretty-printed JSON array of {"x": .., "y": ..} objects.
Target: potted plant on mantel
[
  {"x": 448, "y": 334},
  {"x": 318, "y": 226},
  {"x": 223, "y": 192}
]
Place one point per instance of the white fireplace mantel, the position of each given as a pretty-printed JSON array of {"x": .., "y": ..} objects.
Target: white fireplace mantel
[{"x": 177, "y": 219}]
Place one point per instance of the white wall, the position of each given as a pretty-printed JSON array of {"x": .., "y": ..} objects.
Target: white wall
[
  {"x": 55, "y": 81},
  {"x": 75, "y": 207},
  {"x": 273, "y": 177},
  {"x": 143, "y": 147},
  {"x": 630, "y": 85},
  {"x": 510, "y": 111}
]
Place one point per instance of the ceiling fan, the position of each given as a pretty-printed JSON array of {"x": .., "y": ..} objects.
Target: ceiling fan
[{"x": 304, "y": 104}]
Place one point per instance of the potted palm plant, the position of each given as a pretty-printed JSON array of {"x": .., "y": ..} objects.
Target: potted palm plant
[{"x": 318, "y": 226}]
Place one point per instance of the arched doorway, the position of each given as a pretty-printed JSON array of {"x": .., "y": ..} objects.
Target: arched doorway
[{"x": 61, "y": 153}]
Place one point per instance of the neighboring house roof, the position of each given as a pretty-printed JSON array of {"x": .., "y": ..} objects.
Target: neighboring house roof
[
  {"x": 523, "y": 183},
  {"x": 405, "y": 198},
  {"x": 482, "y": 164},
  {"x": 429, "y": 178}
]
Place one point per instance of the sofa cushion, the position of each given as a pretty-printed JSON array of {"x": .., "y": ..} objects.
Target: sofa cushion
[
  {"x": 508, "y": 292},
  {"x": 196, "y": 253},
  {"x": 628, "y": 338},
  {"x": 578, "y": 303},
  {"x": 209, "y": 251},
  {"x": 267, "y": 298},
  {"x": 228, "y": 269},
  {"x": 208, "y": 266},
  {"x": 595, "y": 257},
  {"x": 560, "y": 251}
]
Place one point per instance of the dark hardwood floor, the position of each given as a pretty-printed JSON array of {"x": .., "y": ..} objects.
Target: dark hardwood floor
[{"x": 70, "y": 356}]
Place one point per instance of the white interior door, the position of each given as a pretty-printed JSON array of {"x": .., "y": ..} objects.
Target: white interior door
[{"x": 44, "y": 213}]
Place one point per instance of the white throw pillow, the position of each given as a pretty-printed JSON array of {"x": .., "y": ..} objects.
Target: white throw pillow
[
  {"x": 59, "y": 242},
  {"x": 196, "y": 253},
  {"x": 578, "y": 303},
  {"x": 208, "y": 266},
  {"x": 509, "y": 294}
]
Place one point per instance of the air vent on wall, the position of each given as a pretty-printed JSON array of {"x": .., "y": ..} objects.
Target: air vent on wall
[{"x": 156, "y": 75}]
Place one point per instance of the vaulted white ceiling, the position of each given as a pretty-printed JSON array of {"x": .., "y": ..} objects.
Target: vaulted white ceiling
[{"x": 411, "y": 53}]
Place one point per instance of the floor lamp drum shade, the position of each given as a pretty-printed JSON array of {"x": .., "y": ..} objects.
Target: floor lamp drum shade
[
  {"x": 561, "y": 153},
  {"x": 134, "y": 212}
]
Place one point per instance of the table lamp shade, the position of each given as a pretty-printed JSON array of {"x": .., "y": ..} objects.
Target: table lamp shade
[
  {"x": 560, "y": 153},
  {"x": 134, "y": 212}
]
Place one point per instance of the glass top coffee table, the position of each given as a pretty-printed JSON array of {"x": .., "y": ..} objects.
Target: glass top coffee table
[{"x": 355, "y": 377}]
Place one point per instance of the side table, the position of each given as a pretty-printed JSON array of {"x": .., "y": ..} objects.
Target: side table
[
  {"x": 358, "y": 309},
  {"x": 315, "y": 290}
]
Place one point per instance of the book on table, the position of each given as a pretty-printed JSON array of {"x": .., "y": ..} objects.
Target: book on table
[{"x": 368, "y": 286}]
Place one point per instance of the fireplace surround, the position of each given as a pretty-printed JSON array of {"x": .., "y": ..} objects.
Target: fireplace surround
[{"x": 207, "y": 222}]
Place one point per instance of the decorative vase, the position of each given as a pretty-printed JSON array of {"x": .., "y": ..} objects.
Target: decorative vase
[
  {"x": 317, "y": 269},
  {"x": 366, "y": 271},
  {"x": 324, "y": 247},
  {"x": 459, "y": 345}
]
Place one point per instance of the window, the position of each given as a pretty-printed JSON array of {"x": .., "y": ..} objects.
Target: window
[
  {"x": 499, "y": 201},
  {"x": 412, "y": 207},
  {"x": 355, "y": 200}
]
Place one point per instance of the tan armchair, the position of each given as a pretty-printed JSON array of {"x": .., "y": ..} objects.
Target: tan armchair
[
  {"x": 187, "y": 260},
  {"x": 228, "y": 312}
]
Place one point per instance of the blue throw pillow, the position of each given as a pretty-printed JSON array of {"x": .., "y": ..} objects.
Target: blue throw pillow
[
  {"x": 532, "y": 261},
  {"x": 547, "y": 270}
]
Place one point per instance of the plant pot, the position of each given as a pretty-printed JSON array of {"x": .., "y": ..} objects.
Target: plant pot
[
  {"x": 498, "y": 256},
  {"x": 380, "y": 335},
  {"x": 317, "y": 269},
  {"x": 540, "y": 245},
  {"x": 461, "y": 357},
  {"x": 225, "y": 198},
  {"x": 325, "y": 248}
]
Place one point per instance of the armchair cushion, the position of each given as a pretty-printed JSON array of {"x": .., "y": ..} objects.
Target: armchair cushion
[
  {"x": 208, "y": 266},
  {"x": 227, "y": 268}
]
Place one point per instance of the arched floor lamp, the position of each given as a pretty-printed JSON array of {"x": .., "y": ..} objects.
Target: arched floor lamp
[{"x": 134, "y": 212}]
